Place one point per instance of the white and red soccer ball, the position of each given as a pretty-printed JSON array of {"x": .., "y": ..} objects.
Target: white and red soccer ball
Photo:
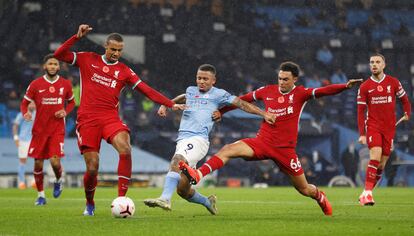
[{"x": 122, "y": 207}]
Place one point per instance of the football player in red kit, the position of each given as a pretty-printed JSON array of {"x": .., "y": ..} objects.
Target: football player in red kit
[
  {"x": 49, "y": 93},
  {"x": 102, "y": 79},
  {"x": 377, "y": 122},
  {"x": 278, "y": 141}
]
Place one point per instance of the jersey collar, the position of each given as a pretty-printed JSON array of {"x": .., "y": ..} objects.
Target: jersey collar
[
  {"x": 106, "y": 62},
  {"x": 376, "y": 81},
  {"x": 294, "y": 86},
  {"x": 51, "y": 82}
]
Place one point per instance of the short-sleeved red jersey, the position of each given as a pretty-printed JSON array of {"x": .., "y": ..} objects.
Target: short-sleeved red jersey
[
  {"x": 288, "y": 108},
  {"x": 101, "y": 84},
  {"x": 49, "y": 98},
  {"x": 379, "y": 97}
]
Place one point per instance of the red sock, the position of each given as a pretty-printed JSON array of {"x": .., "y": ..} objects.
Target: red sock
[
  {"x": 317, "y": 195},
  {"x": 371, "y": 175},
  {"x": 379, "y": 175},
  {"x": 124, "y": 173},
  {"x": 211, "y": 165},
  {"x": 38, "y": 176},
  {"x": 89, "y": 183},
  {"x": 58, "y": 173}
]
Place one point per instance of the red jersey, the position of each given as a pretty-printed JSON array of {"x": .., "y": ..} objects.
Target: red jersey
[
  {"x": 49, "y": 98},
  {"x": 288, "y": 108},
  {"x": 102, "y": 82},
  {"x": 379, "y": 97}
]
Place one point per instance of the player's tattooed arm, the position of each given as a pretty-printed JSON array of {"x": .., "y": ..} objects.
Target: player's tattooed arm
[
  {"x": 180, "y": 99},
  {"x": 253, "y": 109}
]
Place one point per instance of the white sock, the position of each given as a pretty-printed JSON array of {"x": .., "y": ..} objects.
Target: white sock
[{"x": 41, "y": 194}]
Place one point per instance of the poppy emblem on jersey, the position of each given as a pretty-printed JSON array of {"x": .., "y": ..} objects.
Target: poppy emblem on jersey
[
  {"x": 105, "y": 69},
  {"x": 281, "y": 99},
  {"x": 379, "y": 88},
  {"x": 52, "y": 89}
]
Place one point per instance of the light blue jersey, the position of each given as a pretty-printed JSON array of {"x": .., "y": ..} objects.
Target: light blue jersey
[
  {"x": 25, "y": 127},
  {"x": 196, "y": 119}
]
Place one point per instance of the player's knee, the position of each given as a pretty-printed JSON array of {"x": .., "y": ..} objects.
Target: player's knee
[
  {"x": 174, "y": 162},
  {"x": 124, "y": 147}
]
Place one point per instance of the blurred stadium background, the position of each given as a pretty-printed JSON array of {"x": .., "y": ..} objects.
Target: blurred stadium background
[{"x": 246, "y": 40}]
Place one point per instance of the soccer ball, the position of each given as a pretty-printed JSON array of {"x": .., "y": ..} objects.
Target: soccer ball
[{"x": 122, "y": 207}]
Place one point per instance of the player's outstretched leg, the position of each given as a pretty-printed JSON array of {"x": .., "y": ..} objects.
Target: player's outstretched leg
[
  {"x": 164, "y": 201},
  {"x": 195, "y": 175},
  {"x": 38, "y": 176},
  {"x": 57, "y": 169}
]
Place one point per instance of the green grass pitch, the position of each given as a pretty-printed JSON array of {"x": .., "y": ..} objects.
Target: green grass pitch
[{"x": 242, "y": 211}]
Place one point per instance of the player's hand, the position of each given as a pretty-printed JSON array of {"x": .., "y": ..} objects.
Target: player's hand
[
  {"x": 83, "y": 30},
  {"x": 353, "y": 82},
  {"x": 362, "y": 139},
  {"x": 216, "y": 116},
  {"x": 28, "y": 116},
  {"x": 60, "y": 113},
  {"x": 269, "y": 118},
  {"x": 162, "y": 111},
  {"x": 177, "y": 107},
  {"x": 406, "y": 117}
]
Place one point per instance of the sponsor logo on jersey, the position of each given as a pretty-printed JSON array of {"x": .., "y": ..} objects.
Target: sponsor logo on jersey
[
  {"x": 290, "y": 110},
  {"x": 52, "y": 89}
]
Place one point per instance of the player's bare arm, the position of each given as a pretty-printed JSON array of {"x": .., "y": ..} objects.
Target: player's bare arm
[
  {"x": 250, "y": 108},
  {"x": 83, "y": 30},
  {"x": 180, "y": 99},
  {"x": 15, "y": 132},
  {"x": 28, "y": 116},
  {"x": 353, "y": 82}
]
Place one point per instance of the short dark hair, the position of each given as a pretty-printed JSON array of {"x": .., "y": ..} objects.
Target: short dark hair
[
  {"x": 290, "y": 66},
  {"x": 47, "y": 57},
  {"x": 208, "y": 67},
  {"x": 377, "y": 55},
  {"x": 114, "y": 36}
]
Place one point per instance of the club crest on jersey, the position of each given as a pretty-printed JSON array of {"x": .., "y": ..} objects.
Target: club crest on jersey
[
  {"x": 105, "y": 69},
  {"x": 379, "y": 88},
  {"x": 389, "y": 89},
  {"x": 61, "y": 91},
  {"x": 281, "y": 99},
  {"x": 291, "y": 98},
  {"x": 52, "y": 89},
  {"x": 116, "y": 73}
]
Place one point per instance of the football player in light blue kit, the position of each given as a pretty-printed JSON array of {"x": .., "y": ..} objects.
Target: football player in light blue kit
[
  {"x": 193, "y": 135},
  {"x": 22, "y": 134}
]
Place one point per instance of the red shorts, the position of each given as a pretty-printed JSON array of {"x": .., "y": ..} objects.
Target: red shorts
[
  {"x": 91, "y": 133},
  {"x": 377, "y": 139},
  {"x": 284, "y": 157},
  {"x": 45, "y": 147}
]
